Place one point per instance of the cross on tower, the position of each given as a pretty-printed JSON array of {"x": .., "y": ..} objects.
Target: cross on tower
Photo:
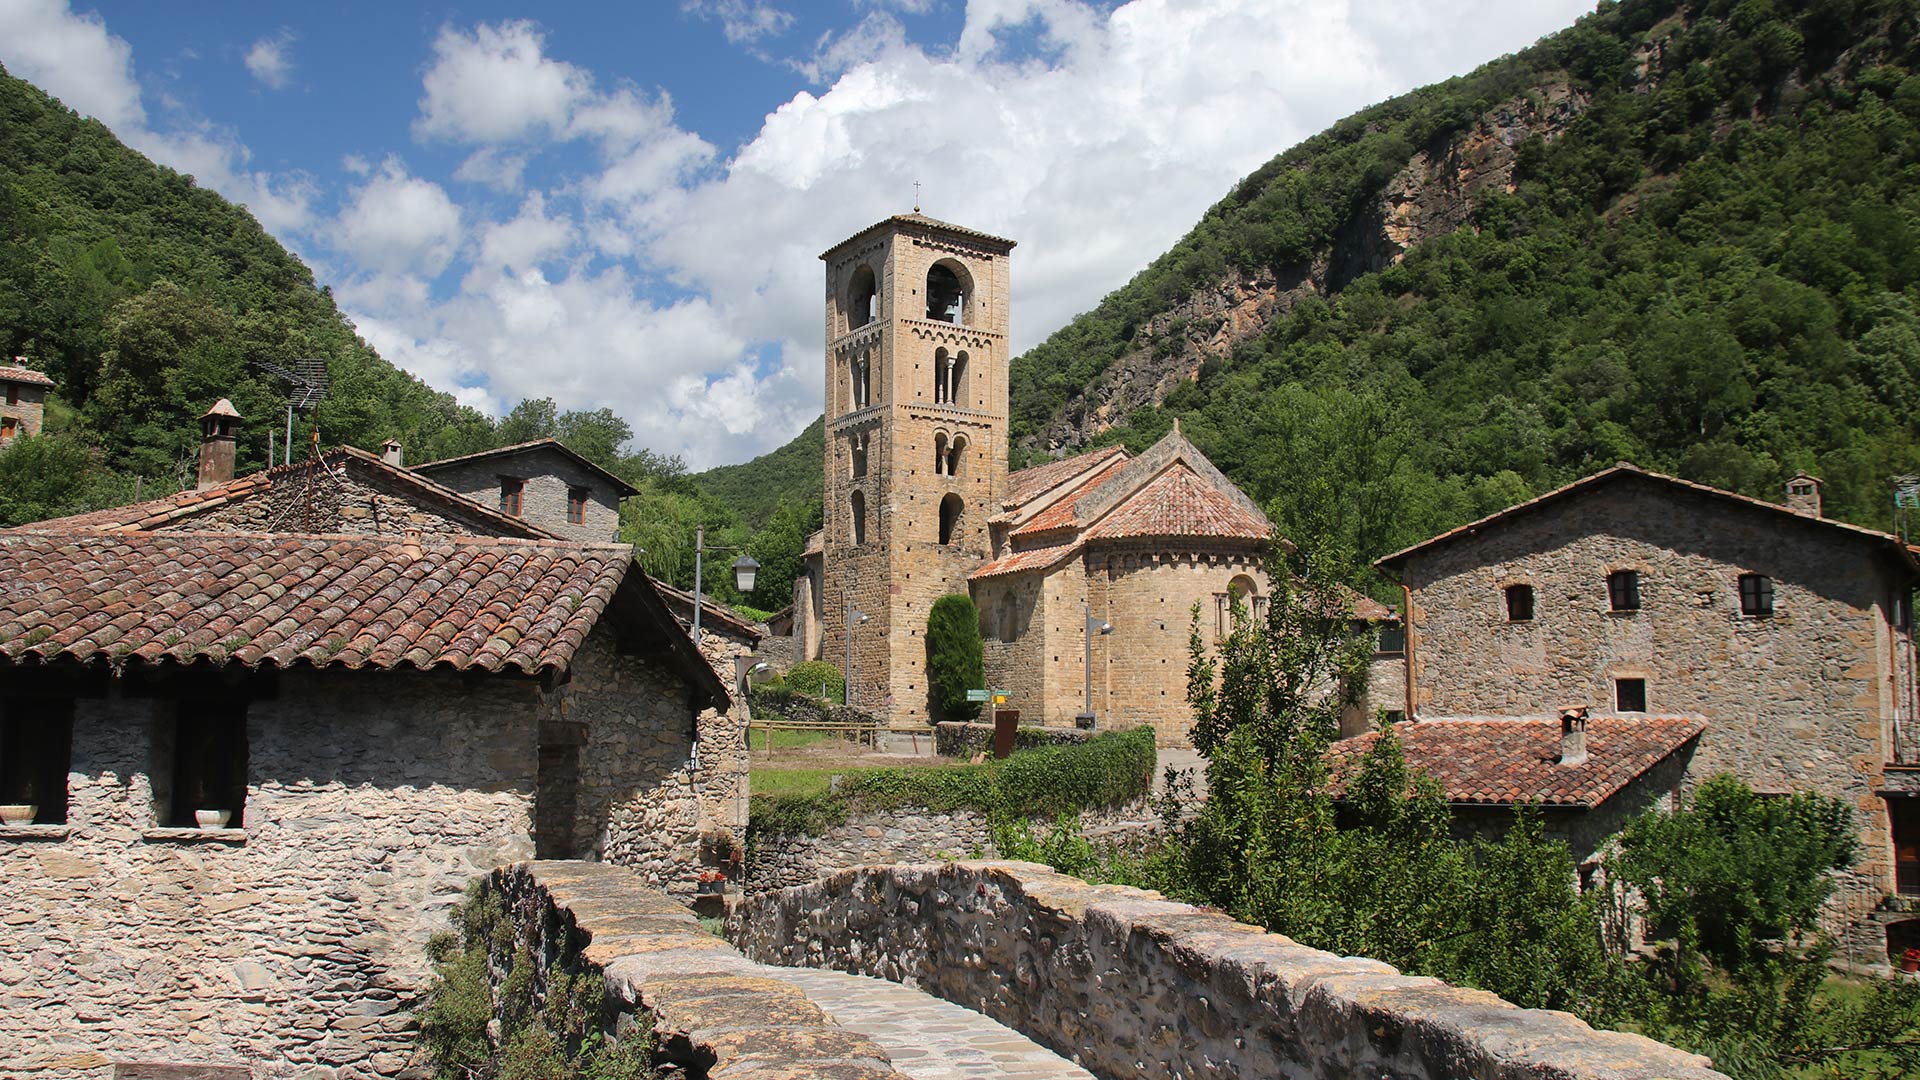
[{"x": 916, "y": 196}]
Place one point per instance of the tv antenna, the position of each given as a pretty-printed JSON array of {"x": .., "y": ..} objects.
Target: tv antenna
[{"x": 306, "y": 387}]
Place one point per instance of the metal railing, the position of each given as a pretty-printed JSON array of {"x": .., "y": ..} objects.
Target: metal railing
[{"x": 858, "y": 732}]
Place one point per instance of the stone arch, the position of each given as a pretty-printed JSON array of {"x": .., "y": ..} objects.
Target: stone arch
[
  {"x": 951, "y": 508},
  {"x": 857, "y": 518},
  {"x": 949, "y": 292},
  {"x": 863, "y": 297},
  {"x": 957, "y": 379},
  {"x": 939, "y": 453},
  {"x": 1901, "y": 936},
  {"x": 858, "y": 444},
  {"x": 955, "y": 454}
]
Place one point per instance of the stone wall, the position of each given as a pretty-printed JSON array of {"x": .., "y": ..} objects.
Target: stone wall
[
  {"x": 909, "y": 834},
  {"x": 547, "y": 476},
  {"x": 1797, "y": 701},
  {"x": 294, "y": 945},
  {"x": 349, "y": 502},
  {"x": 28, "y": 410},
  {"x": 954, "y": 738},
  {"x": 713, "y": 1011},
  {"x": 1129, "y": 984}
]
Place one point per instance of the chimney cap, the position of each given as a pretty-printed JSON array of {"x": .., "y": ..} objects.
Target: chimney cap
[
  {"x": 223, "y": 407},
  {"x": 390, "y": 443}
]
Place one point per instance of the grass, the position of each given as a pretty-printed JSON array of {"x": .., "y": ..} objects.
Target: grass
[
  {"x": 787, "y": 739},
  {"x": 777, "y": 782}
]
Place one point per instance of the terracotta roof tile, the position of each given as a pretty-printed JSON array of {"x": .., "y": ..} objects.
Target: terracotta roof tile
[
  {"x": 1060, "y": 514},
  {"x": 1032, "y": 481},
  {"x": 281, "y": 599},
  {"x": 1498, "y": 762},
  {"x": 1179, "y": 503},
  {"x": 1031, "y": 559},
  {"x": 13, "y": 373}
]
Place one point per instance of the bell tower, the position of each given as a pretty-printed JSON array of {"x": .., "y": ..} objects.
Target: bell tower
[{"x": 916, "y": 461}]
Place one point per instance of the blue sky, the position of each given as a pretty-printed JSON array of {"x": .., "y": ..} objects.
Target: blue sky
[{"x": 620, "y": 204}]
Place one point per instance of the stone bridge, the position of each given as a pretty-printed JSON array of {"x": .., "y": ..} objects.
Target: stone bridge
[{"x": 864, "y": 974}]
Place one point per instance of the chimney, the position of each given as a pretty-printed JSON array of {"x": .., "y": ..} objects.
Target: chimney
[
  {"x": 217, "y": 434},
  {"x": 390, "y": 453},
  {"x": 1803, "y": 494},
  {"x": 1573, "y": 734}
]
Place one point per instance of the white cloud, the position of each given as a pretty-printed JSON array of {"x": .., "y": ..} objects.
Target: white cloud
[
  {"x": 396, "y": 222},
  {"x": 72, "y": 57},
  {"x": 743, "y": 21},
  {"x": 494, "y": 85},
  {"x": 269, "y": 62},
  {"x": 492, "y": 167}
]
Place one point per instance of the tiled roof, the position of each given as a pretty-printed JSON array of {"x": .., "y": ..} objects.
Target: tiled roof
[
  {"x": 1179, "y": 503},
  {"x": 1034, "y": 480},
  {"x": 183, "y": 506},
  {"x": 716, "y": 617},
  {"x": 1060, "y": 514},
  {"x": 278, "y": 600},
  {"x": 1498, "y": 762},
  {"x": 1625, "y": 470},
  {"x": 816, "y": 544},
  {"x": 1368, "y": 609},
  {"x": 1031, "y": 559},
  {"x": 14, "y": 373},
  {"x": 918, "y": 218},
  {"x": 535, "y": 446}
]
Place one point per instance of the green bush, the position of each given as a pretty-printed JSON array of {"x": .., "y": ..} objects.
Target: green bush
[
  {"x": 955, "y": 661},
  {"x": 1106, "y": 771},
  {"x": 817, "y": 678}
]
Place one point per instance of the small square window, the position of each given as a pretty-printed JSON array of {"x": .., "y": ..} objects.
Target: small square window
[
  {"x": 1623, "y": 590},
  {"x": 36, "y": 750},
  {"x": 9, "y": 427},
  {"x": 1630, "y": 695},
  {"x": 1756, "y": 594},
  {"x": 576, "y": 506},
  {"x": 209, "y": 768},
  {"x": 13, "y": 394},
  {"x": 1393, "y": 638},
  {"x": 510, "y": 490},
  {"x": 1519, "y": 603}
]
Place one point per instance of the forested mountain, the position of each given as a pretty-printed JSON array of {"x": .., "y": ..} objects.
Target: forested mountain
[{"x": 1681, "y": 233}]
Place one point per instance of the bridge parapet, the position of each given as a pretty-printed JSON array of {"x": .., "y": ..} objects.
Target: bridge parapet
[{"x": 1131, "y": 984}]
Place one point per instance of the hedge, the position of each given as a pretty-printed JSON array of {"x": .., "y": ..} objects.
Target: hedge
[{"x": 1106, "y": 771}]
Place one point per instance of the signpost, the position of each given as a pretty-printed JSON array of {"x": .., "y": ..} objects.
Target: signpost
[{"x": 976, "y": 695}]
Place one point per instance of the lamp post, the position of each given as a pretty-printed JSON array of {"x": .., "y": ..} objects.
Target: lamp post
[
  {"x": 744, "y": 569},
  {"x": 854, "y": 618},
  {"x": 1093, "y": 626}
]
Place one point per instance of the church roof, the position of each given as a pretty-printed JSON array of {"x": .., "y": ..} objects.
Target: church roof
[
  {"x": 1039, "y": 479},
  {"x": 1179, "y": 502},
  {"x": 1031, "y": 559},
  {"x": 922, "y": 220},
  {"x": 1060, "y": 514}
]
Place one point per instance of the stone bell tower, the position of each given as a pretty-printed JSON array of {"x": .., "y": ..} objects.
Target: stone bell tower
[{"x": 916, "y": 462}]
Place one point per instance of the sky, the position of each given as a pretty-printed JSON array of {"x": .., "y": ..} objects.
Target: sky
[{"x": 623, "y": 204}]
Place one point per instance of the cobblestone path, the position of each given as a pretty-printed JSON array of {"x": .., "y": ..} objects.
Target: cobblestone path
[{"x": 928, "y": 1039}]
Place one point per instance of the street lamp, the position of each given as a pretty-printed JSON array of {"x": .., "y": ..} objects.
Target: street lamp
[
  {"x": 1093, "y": 626},
  {"x": 854, "y": 618},
  {"x": 744, "y": 569}
]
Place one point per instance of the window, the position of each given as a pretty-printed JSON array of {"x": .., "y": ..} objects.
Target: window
[
  {"x": 946, "y": 293},
  {"x": 510, "y": 489},
  {"x": 576, "y": 506},
  {"x": 950, "y": 508},
  {"x": 1393, "y": 638},
  {"x": 1630, "y": 695},
  {"x": 942, "y": 376},
  {"x": 857, "y": 518},
  {"x": 860, "y": 380},
  {"x": 1520, "y": 603},
  {"x": 209, "y": 762},
  {"x": 954, "y": 450},
  {"x": 939, "y": 455},
  {"x": 1756, "y": 594},
  {"x": 36, "y": 747},
  {"x": 9, "y": 427},
  {"x": 857, "y": 449},
  {"x": 13, "y": 394},
  {"x": 863, "y": 299},
  {"x": 957, "y": 380},
  {"x": 1623, "y": 590},
  {"x": 1395, "y": 716}
]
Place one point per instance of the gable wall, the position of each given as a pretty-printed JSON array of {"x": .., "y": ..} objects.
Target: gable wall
[
  {"x": 544, "y": 499},
  {"x": 346, "y": 504},
  {"x": 1797, "y": 701}
]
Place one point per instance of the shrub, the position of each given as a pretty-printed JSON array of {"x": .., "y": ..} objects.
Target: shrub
[
  {"x": 817, "y": 678},
  {"x": 955, "y": 661}
]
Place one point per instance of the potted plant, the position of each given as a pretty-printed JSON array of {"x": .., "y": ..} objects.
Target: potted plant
[
  {"x": 1910, "y": 961},
  {"x": 711, "y": 882},
  {"x": 212, "y": 819},
  {"x": 22, "y": 812}
]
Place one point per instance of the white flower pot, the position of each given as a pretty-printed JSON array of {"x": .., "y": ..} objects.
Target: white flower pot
[
  {"x": 18, "y": 813},
  {"x": 213, "y": 819}
]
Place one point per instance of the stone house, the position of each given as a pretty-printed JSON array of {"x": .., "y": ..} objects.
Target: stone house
[
  {"x": 541, "y": 482},
  {"x": 23, "y": 399},
  {"x": 919, "y": 503},
  {"x": 1636, "y": 594},
  {"x": 1585, "y": 781},
  {"x": 262, "y": 767}
]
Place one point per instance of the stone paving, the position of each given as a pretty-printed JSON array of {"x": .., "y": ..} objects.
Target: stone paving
[{"x": 928, "y": 1038}]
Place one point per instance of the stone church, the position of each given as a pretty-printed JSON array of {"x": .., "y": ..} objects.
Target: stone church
[{"x": 1084, "y": 569}]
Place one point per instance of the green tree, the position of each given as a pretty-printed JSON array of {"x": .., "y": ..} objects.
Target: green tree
[{"x": 956, "y": 662}]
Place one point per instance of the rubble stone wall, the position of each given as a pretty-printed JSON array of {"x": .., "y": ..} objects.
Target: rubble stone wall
[
  {"x": 547, "y": 477},
  {"x": 1129, "y": 984},
  {"x": 344, "y": 504}
]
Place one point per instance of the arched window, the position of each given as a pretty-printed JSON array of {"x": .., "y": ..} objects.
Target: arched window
[
  {"x": 942, "y": 365},
  {"x": 957, "y": 380},
  {"x": 857, "y": 450},
  {"x": 949, "y": 517},
  {"x": 954, "y": 451},
  {"x": 1241, "y": 591},
  {"x": 857, "y": 518},
  {"x": 860, "y": 376},
  {"x": 948, "y": 287},
  {"x": 863, "y": 298},
  {"x": 939, "y": 455}
]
